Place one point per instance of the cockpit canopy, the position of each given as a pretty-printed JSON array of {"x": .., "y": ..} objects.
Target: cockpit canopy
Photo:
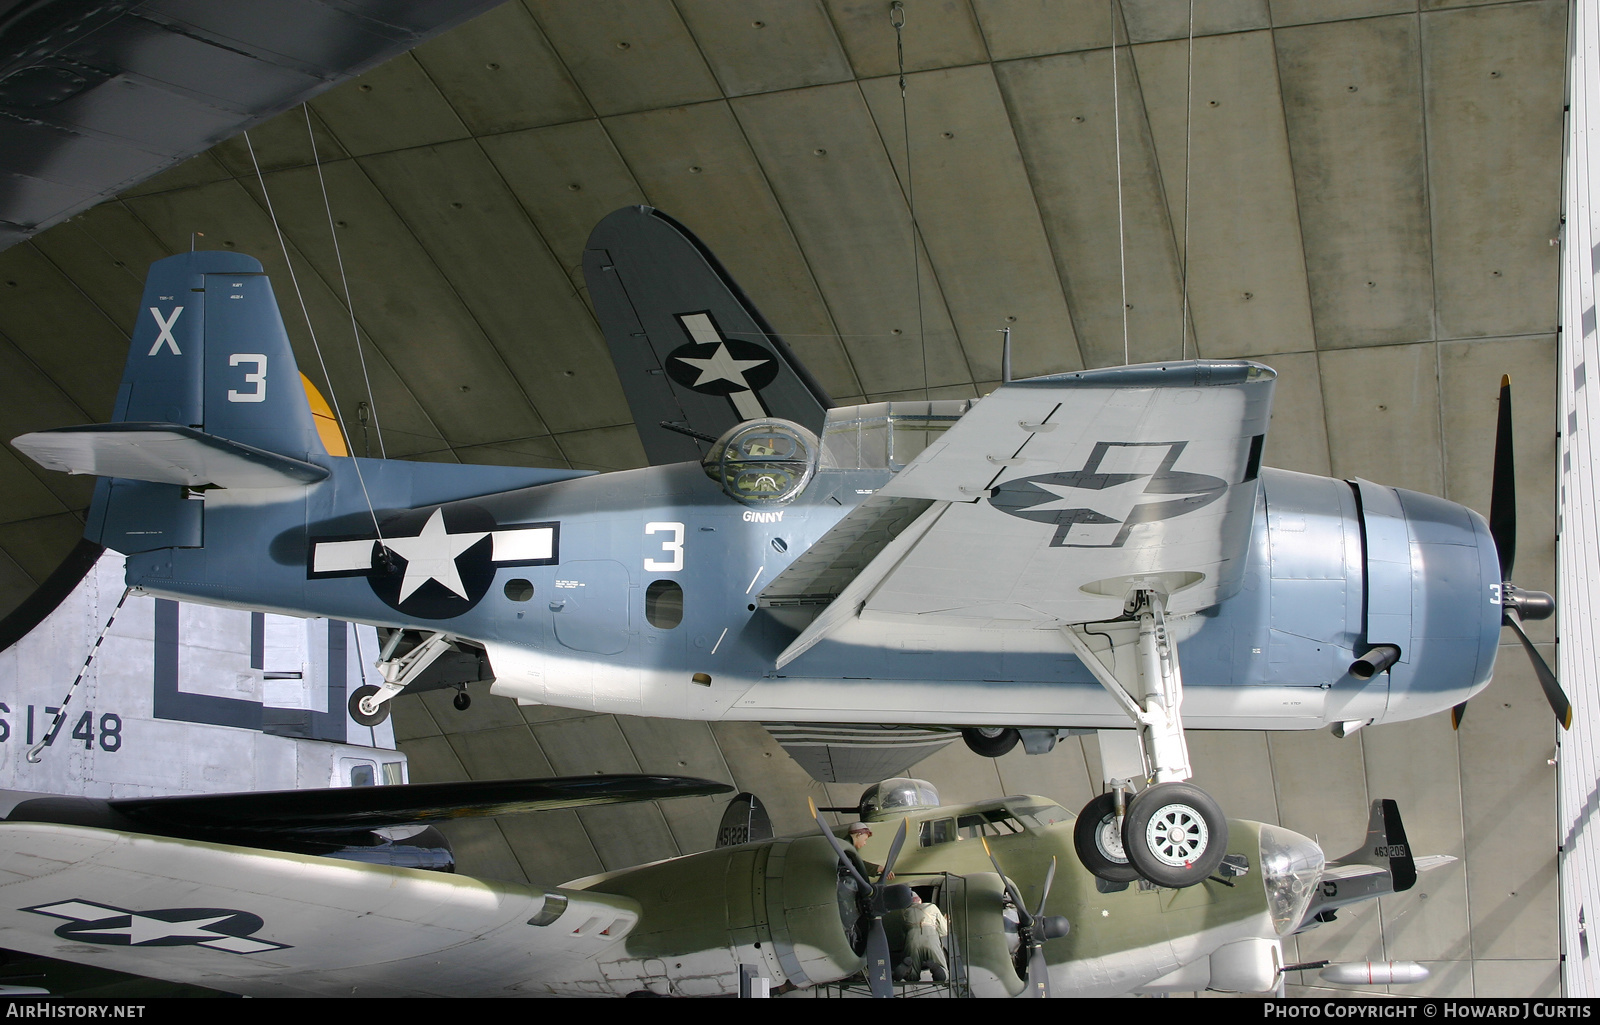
[
  {"x": 897, "y": 793},
  {"x": 763, "y": 462}
]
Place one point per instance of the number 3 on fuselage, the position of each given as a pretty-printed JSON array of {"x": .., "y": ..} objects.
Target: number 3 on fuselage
[{"x": 672, "y": 548}]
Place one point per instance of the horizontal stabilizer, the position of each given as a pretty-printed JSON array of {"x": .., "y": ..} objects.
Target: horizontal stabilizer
[
  {"x": 347, "y": 809},
  {"x": 164, "y": 454}
]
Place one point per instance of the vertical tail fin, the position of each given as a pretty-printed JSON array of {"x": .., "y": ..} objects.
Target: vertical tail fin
[
  {"x": 1386, "y": 846},
  {"x": 690, "y": 348},
  {"x": 211, "y": 394}
]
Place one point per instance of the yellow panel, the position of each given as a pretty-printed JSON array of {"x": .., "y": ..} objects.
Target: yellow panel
[{"x": 322, "y": 416}]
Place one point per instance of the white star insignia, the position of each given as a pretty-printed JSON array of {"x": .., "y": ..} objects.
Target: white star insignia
[
  {"x": 721, "y": 366},
  {"x": 1119, "y": 498},
  {"x": 432, "y": 554},
  {"x": 146, "y": 930}
]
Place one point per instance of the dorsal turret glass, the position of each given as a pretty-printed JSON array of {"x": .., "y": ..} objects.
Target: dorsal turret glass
[
  {"x": 763, "y": 462},
  {"x": 900, "y": 792}
]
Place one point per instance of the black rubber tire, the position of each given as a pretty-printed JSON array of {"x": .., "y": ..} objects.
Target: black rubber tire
[
  {"x": 355, "y": 707},
  {"x": 1186, "y": 823},
  {"x": 979, "y": 742},
  {"x": 1087, "y": 840},
  {"x": 462, "y": 701}
]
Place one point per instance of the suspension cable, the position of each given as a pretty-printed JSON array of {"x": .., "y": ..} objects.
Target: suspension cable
[
  {"x": 333, "y": 397},
  {"x": 897, "y": 18},
  {"x": 1122, "y": 239},
  {"x": 1188, "y": 160},
  {"x": 355, "y": 332}
]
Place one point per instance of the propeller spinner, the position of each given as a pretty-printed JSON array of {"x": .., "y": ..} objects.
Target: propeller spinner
[{"x": 1519, "y": 605}]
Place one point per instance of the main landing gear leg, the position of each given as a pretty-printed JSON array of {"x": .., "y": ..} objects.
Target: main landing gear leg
[
  {"x": 1173, "y": 833},
  {"x": 369, "y": 705}
]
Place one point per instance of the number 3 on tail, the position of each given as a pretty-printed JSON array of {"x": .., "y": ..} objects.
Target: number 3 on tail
[
  {"x": 258, "y": 379},
  {"x": 674, "y": 548}
]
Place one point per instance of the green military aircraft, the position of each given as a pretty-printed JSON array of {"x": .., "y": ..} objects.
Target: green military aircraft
[{"x": 238, "y": 892}]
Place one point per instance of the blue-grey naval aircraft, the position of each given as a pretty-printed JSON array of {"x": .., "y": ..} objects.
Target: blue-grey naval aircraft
[{"x": 1046, "y": 558}]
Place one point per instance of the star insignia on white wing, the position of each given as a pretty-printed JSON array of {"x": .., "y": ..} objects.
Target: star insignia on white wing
[
  {"x": 147, "y": 930},
  {"x": 432, "y": 554},
  {"x": 721, "y": 366},
  {"x": 1114, "y": 502}
]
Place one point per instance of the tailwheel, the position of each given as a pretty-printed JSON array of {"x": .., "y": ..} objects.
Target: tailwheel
[
  {"x": 1174, "y": 834},
  {"x": 359, "y": 714},
  {"x": 1097, "y": 837},
  {"x": 462, "y": 700},
  {"x": 990, "y": 741}
]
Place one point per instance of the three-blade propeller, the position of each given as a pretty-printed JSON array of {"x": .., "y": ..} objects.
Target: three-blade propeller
[
  {"x": 870, "y": 896},
  {"x": 1518, "y": 605},
  {"x": 1033, "y": 929}
]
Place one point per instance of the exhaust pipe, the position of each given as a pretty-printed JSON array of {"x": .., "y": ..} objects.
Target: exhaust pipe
[{"x": 1375, "y": 661}]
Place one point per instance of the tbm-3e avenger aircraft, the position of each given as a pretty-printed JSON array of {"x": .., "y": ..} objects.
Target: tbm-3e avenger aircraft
[
  {"x": 234, "y": 892},
  {"x": 1048, "y": 557}
]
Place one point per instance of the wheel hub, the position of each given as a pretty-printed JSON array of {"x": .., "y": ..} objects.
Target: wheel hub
[
  {"x": 1177, "y": 835},
  {"x": 1109, "y": 839}
]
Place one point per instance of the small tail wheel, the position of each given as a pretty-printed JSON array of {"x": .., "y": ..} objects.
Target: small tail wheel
[
  {"x": 1175, "y": 834},
  {"x": 1097, "y": 837},
  {"x": 355, "y": 707},
  {"x": 462, "y": 700},
  {"x": 990, "y": 741}
]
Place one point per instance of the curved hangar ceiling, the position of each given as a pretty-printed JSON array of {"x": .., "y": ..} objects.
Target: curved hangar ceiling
[{"x": 1369, "y": 205}]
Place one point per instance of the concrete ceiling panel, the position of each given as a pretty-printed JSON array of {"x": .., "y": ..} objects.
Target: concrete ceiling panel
[
  {"x": 1303, "y": 12},
  {"x": 28, "y": 498},
  {"x": 551, "y": 846},
  {"x": 1469, "y": 383},
  {"x": 605, "y": 448},
  {"x": 278, "y": 143},
  {"x": 936, "y": 34},
  {"x": 432, "y": 760},
  {"x": 486, "y": 715},
  {"x": 1235, "y": 767},
  {"x": 826, "y": 162},
  {"x": 58, "y": 328},
  {"x": 1517, "y": 978},
  {"x": 499, "y": 73},
  {"x": 1353, "y": 103},
  {"x": 1508, "y": 794},
  {"x": 234, "y": 219},
  {"x": 543, "y": 451},
  {"x": 1028, "y": 28},
  {"x": 1247, "y": 273},
  {"x": 393, "y": 106},
  {"x": 759, "y": 46},
  {"x": 412, "y": 719},
  {"x": 475, "y": 233},
  {"x": 1382, "y": 406},
  {"x": 1062, "y": 775},
  {"x": 627, "y": 55},
  {"x": 1494, "y": 162},
  {"x": 952, "y": 391},
  {"x": 509, "y": 753},
  {"x": 105, "y": 252},
  {"x": 974, "y": 201},
  {"x": 1315, "y": 761},
  {"x": 1298, "y": 437},
  {"x": 480, "y": 843},
  {"x": 1417, "y": 764},
  {"x": 469, "y": 387},
  {"x": 1063, "y": 114},
  {"x": 1151, "y": 20},
  {"x": 202, "y": 169},
  {"x": 694, "y": 164},
  {"x": 674, "y": 747},
  {"x": 759, "y": 766},
  {"x": 15, "y": 585},
  {"x": 36, "y": 545}
]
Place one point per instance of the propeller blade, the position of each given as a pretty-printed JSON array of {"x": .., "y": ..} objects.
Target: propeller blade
[
  {"x": 878, "y": 978},
  {"x": 1547, "y": 680},
  {"x": 1038, "y": 973},
  {"x": 1023, "y": 918},
  {"x": 1457, "y": 714},
  {"x": 838, "y": 848},
  {"x": 1049, "y": 878},
  {"x": 1503, "y": 493},
  {"x": 894, "y": 852}
]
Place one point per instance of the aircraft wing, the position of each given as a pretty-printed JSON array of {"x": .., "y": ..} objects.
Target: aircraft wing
[
  {"x": 1052, "y": 498},
  {"x": 268, "y": 923}
]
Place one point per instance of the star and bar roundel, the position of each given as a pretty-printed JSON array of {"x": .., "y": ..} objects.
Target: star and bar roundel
[
  {"x": 225, "y": 929},
  {"x": 1121, "y": 485},
  {"x": 435, "y": 562},
  {"x": 713, "y": 364}
]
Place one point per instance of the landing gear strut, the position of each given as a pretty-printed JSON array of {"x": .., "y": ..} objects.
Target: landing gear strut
[
  {"x": 1173, "y": 833},
  {"x": 369, "y": 705}
]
